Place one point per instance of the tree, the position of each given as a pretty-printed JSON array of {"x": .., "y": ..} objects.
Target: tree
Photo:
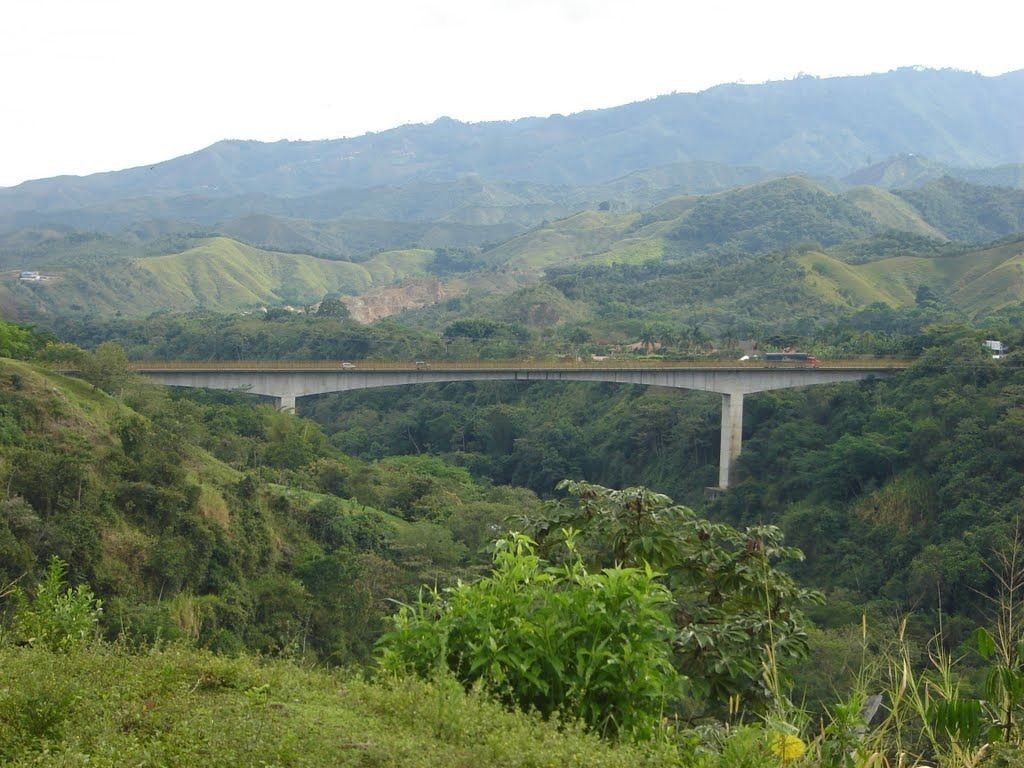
[
  {"x": 106, "y": 368},
  {"x": 648, "y": 336},
  {"x": 332, "y": 306},
  {"x": 15, "y": 341}
]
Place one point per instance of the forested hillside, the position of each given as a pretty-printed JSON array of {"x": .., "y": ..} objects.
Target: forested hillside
[{"x": 223, "y": 522}]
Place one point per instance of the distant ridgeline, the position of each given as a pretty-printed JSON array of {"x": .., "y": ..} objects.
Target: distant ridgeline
[{"x": 449, "y": 214}]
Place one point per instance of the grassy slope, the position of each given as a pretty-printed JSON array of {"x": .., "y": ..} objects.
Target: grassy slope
[
  {"x": 69, "y": 408},
  {"x": 978, "y": 282},
  {"x": 177, "y": 707},
  {"x": 219, "y": 273},
  {"x": 892, "y": 212},
  {"x": 998, "y": 287},
  {"x": 225, "y": 273},
  {"x": 564, "y": 241},
  {"x": 843, "y": 283}
]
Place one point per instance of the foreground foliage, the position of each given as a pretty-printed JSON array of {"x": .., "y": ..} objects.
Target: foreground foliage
[
  {"x": 57, "y": 617},
  {"x": 737, "y": 613},
  {"x": 555, "y": 639},
  {"x": 110, "y": 707}
]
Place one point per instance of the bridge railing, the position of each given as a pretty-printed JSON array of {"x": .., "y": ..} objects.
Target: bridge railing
[{"x": 523, "y": 364}]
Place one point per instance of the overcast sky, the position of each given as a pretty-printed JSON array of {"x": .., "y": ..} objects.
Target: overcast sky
[{"x": 92, "y": 85}]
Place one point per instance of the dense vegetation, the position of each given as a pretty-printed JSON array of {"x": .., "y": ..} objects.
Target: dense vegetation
[{"x": 223, "y": 522}]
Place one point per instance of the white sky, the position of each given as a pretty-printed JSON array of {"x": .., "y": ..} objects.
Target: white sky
[{"x": 91, "y": 85}]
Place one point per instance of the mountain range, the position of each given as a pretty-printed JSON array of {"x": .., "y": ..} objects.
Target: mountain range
[
  {"x": 934, "y": 156},
  {"x": 832, "y": 126}
]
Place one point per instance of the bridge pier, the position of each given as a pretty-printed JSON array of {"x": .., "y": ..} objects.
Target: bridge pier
[
  {"x": 286, "y": 403},
  {"x": 732, "y": 437}
]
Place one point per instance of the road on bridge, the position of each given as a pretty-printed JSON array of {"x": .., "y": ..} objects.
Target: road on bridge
[{"x": 634, "y": 364}]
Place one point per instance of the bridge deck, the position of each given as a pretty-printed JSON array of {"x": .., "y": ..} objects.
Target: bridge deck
[{"x": 302, "y": 366}]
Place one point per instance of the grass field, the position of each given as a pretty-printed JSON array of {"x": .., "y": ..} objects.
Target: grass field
[{"x": 109, "y": 707}]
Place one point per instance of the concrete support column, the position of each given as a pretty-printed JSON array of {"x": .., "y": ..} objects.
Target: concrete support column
[
  {"x": 732, "y": 437},
  {"x": 286, "y": 403}
]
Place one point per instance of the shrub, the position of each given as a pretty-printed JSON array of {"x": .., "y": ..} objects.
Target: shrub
[
  {"x": 58, "y": 617},
  {"x": 589, "y": 646}
]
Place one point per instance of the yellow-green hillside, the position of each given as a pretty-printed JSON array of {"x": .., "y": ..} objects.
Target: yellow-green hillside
[
  {"x": 219, "y": 273},
  {"x": 892, "y": 212},
  {"x": 565, "y": 241},
  {"x": 978, "y": 281},
  {"x": 995, "y": 288},
  {"x": 225, "y": 274},
  {"x": 843, "y": 283}
]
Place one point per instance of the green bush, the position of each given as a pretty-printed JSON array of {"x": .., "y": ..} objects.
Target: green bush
[
  {"x": 58, "y": 617},
  {"x": 554, "y": 639},
  {"x": 738, "y": 613}
]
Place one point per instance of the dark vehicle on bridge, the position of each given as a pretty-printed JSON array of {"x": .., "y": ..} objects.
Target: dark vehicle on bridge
[{"x": 792, "y": 358}]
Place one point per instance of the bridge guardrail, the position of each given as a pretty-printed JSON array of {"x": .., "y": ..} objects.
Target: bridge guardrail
[{"x": 443, "y": 365}]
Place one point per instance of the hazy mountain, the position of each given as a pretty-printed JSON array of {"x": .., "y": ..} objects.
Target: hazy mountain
[
  {"x": 469, "y": 200},
  {"x": 906, "y": 171},
  {"x": 900, "y": 171},
  {"x": 828, "y": 126}
]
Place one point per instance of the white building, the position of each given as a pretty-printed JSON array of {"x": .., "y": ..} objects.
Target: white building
[{"x": 997, "y": 348}]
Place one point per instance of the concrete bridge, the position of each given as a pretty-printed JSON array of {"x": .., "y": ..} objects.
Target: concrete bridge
[{"x": 286, "y": 381}]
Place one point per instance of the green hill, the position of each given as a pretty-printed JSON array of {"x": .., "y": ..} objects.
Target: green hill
[
  {"x": 771, "y": 215},
  {"x": 892, "y": 212},
  {"x": 764, "y": 216},
  {"x": 843, "y": 283},
  {"x": 186, "y": 514},
  {"x": 576, "y": 238},
  {"x": 968, "y": 212},
  {"x": 978, "y": 282},
  {"x": 91, "y": 273},
  {"x": 228, "y": 275},
  {"x": 218, "y": 273},
  {"x": 356, "y": 240}
]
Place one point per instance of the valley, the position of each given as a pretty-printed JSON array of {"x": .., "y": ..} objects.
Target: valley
[{"x": 715, "y": 436}]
